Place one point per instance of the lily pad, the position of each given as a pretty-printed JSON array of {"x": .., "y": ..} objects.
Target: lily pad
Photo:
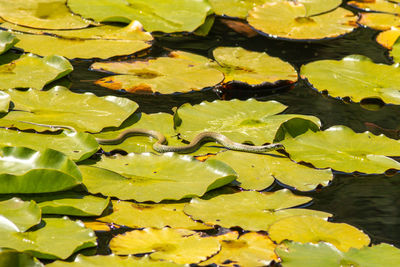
[
  {"x": 251, "y": 249},
  {"x": 30, "y": 71},
  {"x": 157, "y": 15},
  {"x": 253, "y": 68},
  {"x": 249, "y": 210},
  {"x": 379, "y": 21},
  {"x": 290, "y": 20},
  {"x": 47, "y": 14},
  {"x": 9, "y": 257},
  {"x": 356, "y": 77},
  {"x": 5, "y": 101},
  {"x": 84, "y": 112},
  {"x": 259, "y": 171},
  {"x": 57, "y": 238},
  {"x": 7, "y": 40},
  {"x": 76, "y": 145},
  {"x": 177, "y": 245},
  {"x": 136, "y": 215},
  {"x": 24, "y": 170},
  {"x": 313, "y": 229},
  {"x": 376, "y": 5},
  {"x": 241, "y": 121},
  {"x": 388, "y": 38},
  {"x": 382, "y": 254},
  {"x": 395, "y": 53},
  {"x": 342, "y": 149},
  {"x": 24, "y": 214},
  {"x": 147, "y": 177},
  {"x": 165, "y": 75}
]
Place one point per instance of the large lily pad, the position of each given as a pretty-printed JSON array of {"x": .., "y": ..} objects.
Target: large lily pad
[
  {"x": 84, "y": 112},
  {"x": 24, "y": 170},
  {"x": 356, "y": 77},
  {"x": 57, "y": 238},
  {"x": 249, "y": 210},
  {"x": 342, "y": 149},
  {"x": 9, "y": 257},
  {"x": 165, "y": 75},
  {"x": 47, "y": 14},
  {"x": 7, "y": 40},
  {"x": 156, "y": 15},
  {"x": 313, "y": 229},
  {"x": 289, "y": 20},
  {"x": 242, "y": 121},
  {"x": 148, "y": 177},
  {"x": 24, "y": 214},
  {"x": 253, "y": 68},
  {"x": 177, "y": 245},
  {"x": 151, "y": 215},
  {"x": 377, "y": 5},
  {"x": 30, "y": 71}
]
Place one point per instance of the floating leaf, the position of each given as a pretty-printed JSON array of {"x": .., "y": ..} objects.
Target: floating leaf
[
  {"x": 249, "y": 210},
  {"x": 58, "y": 238},
  {"x": 241, "y": 121},
  {"x": 7, "y": 40},
  {"x": 165, "y": 75},
  {"x": 24, "y": 170},
  {"x": 177, "y": 245},
  {"x": 376, "y": 5},
  {"x": 342, "y": 149},
  {"x": 30, "y": 71},
  {"x": 99, "y": 226},
  {"x": 388, "y": 38},
  {"x": 258, "y": 171},
  {"x": 379, "y": 21},
  {"x": 356, "y": 77},
  {"x": 151, "y": 215},
  {"x": 378, "y": 255},
  {"x": 47, "y": 14},
  {"x": 253, "y": 68},
  {"x": 5, "y": 100},
  {"x": 147, "y": 177},
  {"x": 314, "y": 229},
  {"x": 84, "y": 112},
  {"x": 395, "y": 53},
  {"x": 77, "y": 146},
  {"x": 24, "y": 214},
  {"x": 289, "y": 20},
  {"x": 10, "y": 258},
  {"x": 157, "y": 15},
  {"x": 251, "y": 249}
]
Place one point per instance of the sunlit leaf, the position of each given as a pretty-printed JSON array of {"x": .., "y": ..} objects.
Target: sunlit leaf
[
  {"x": 13, "y": 258},
  {"x": 249, "y": 210},
  {"x": 24, "y": 214},
  {"x": 7, "y": 40},
  {"x": 24, "y": 170},
  {"x": 379, "y": 21},
  {"x": 148, "y": 177},
  {"x": 342, "y": 149},
  {"x": 356, "y": 77},
  {"x": 313, "y": 229},
  {"x": 289, "y": 20},
  {"x": 99, "y": 226},
  {"x": 377, "y": 5},
  {"x": 5, "y": 100},
  {"x": 388, "y": 38},
  {"x": 395, "y": 53},
  {"x": 177, "y": 245},
  {"x": 151, "y": 215},
  {"x": 155, "y": 15},
  {"x": 57, "y": 238},
  {"x": 378, "y": 255}
]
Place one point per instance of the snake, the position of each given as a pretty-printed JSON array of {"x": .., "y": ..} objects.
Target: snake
[{"x": 161, "y": 146}]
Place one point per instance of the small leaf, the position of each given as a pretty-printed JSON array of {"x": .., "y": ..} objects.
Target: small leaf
[
  {"x": 7, "y": 40},
  {"x": 24, "y": 214}
]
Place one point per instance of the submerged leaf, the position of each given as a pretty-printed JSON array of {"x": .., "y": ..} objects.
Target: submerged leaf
[{"x": 23, "y": 214}]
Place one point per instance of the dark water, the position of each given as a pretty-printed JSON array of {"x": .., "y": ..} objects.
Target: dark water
[{"x": 368, "y": 202}]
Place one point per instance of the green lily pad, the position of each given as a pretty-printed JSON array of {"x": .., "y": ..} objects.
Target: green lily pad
[
  {"x": 113, "y": 260},
  {"x": 24, "y": 170},
  {"x": 249, "y": 210},
  {"x": 251, "y": 249},
  {"x": 290, "y": 20},
  {"x": 165, "y": 75},
  {"x": 76, "y": 145},
  {"x": 148, "y": 177},
  {"x": 136, "y": 215},
  {"x": 47, "y": 14},
  {"x": 10, "y": 257},
  {"x": 378, "y": 255},
  {"x": 30, "y": 71},
  {"x": 24, "y": 214},
  {"x": 356, "y": 77},
  {"x": 59, "y": 106},
  {"x": 377, "y": 5},
  {"x": 342, "y": 149},
  {"x": 157, "y": 15},
  {"x": 241, "y": 121},
  {"x": 57, "y": 238},
  {"x": 259, "y": 171},
  {"x": 5, "y": 100},
  {"x": 313, "y": 229},
  {"x": 177, "y": 245},
  {"x": 7, "y": 40},
  {"x": 395, "y": 53},
  {"x": 253, "y": 68}
]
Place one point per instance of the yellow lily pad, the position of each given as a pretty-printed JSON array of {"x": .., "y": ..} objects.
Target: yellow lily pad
[
  {"x": 289, "y": 20},
  {"x": 388, "y": 38},
  {"x": 376, "y": 5},
  {"x": 379, "y": 21},
  {"x": 313, "y": 229},
  {"x": 177, "y": 245}
]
